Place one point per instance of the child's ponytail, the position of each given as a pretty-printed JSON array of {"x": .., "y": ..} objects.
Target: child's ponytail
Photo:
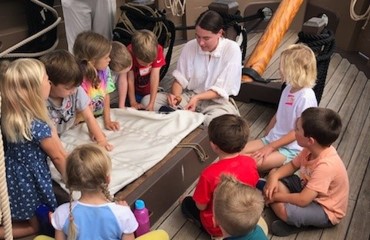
[
  {"x": 104, "y": 188},
  {"x": 89, "y": 72},
  {"x": 72, "y": 228}
]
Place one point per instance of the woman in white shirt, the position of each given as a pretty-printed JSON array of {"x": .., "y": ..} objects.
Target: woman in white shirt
[{"x": 208, "y": 71}]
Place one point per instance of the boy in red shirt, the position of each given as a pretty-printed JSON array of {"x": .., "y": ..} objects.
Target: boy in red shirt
[
  {"x": 228, "y": 135},
  {"x": 143, "y": 78}
]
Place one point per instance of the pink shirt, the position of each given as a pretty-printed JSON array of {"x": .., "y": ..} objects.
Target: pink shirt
[{"x": 327, "y": 176}]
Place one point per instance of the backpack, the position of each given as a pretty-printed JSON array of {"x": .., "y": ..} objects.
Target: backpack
[
  {"x": 139, "y": 16},
  {"x": 39, "y": 18}
]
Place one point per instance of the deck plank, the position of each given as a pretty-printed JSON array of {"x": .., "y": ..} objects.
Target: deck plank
[
  {"x": 359, "y": 227},
  {"x": 334, "y": 82},
  {"x": 189, "y": 231},
  {"x": 338, "y": 232},
  {"x": 351, "y": 118},
  {"x": 360, "y": 154},
  {"x": 334, "y": 62}
]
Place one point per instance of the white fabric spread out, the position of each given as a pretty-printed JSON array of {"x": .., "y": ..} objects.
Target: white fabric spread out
[{"x": 143, "y": 140}]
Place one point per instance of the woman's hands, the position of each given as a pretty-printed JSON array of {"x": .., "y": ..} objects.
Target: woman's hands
[
  {"x": 192, "y": 104},
  {"x": 173, "y": 100}
]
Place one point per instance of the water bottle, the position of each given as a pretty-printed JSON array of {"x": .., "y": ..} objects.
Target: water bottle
[
  {"x": 43, "y": 216},
  {"x": 142, "y": 217}
]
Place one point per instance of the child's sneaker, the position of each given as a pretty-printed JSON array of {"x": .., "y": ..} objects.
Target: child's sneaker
[{"x": 261, "y": 184}]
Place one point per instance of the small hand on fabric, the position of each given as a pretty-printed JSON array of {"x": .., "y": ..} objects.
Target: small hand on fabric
[
  {"x": 102, "y": 142},
  {"x": 137, "y": 105},
  {"x": 112, "y": 125},
  {"x": 150, "y": 107}
]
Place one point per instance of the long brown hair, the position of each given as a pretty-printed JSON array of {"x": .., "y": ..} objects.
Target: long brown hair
[{"x": 89, "y": 47}]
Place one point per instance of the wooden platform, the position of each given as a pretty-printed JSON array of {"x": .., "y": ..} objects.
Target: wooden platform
[{"x": 347, "y": 91}]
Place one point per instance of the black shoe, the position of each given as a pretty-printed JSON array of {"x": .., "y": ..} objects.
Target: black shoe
[{"x": 282, "y": 229}]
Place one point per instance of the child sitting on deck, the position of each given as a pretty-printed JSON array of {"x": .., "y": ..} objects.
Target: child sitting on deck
[
  {"x": 228, "y": 134},
  {"x": 319, "y": 197},
  {"x": 278, "y": 147},
  {"x": 237, "y": 210}
]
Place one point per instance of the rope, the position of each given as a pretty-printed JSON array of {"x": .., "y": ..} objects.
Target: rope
[
  {"x": 7, "y": 52},
  {"x": 202, "y": 155},
  {"x": 177, "y": 6},
  {"x": 137, "y": 16},
  {"x": 322, "y": 45},
  {"x": 5, "y": 217},
  {"x": 357, "y": 17}
]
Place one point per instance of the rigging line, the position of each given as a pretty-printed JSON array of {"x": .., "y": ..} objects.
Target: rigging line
[
  {"x": 177, "y": 6},
  {"x": 357, "y": 17}
]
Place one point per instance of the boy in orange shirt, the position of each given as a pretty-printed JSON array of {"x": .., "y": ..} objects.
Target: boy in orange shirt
[{"x": 319, "y": 197}]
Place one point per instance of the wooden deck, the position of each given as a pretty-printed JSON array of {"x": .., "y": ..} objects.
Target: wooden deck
[{"x": 347, "y": 91}]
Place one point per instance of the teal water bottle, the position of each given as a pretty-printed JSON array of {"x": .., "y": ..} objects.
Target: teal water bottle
[{"x": 142, "y": 217}]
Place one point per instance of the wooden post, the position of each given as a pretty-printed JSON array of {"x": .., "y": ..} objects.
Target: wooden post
[{"x": 272, "y": 37}]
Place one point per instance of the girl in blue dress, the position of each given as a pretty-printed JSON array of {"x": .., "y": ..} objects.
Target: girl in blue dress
[{"x": 30, "y": 138}]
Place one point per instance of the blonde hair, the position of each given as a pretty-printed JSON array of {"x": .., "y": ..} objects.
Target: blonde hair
[
  {"x": 88, "y": 47},
  {"x": 120, "y": 57},
  {"x": 298, "y": 66},
  {"x": 144, "y": 45},
  {"x": 22, "y": 100},
  {"x": 237, "y": 207},
  {"x": 88, "y": 167}
]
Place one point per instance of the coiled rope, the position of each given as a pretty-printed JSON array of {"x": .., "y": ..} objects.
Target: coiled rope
[
  {"x": 5, "y": 217},
  {"x": 177, "y": 6},
  {"x": 357, "y": 17},
  {"x": 7, "y": 53}
]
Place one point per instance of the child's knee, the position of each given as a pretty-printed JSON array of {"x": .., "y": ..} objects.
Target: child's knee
[{"x": 280, "y": 211}]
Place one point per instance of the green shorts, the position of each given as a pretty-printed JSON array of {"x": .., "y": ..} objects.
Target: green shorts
[{"x": 289, "y": 154}]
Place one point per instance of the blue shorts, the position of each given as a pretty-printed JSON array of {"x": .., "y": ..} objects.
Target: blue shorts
[{"x": 289, "y": 154}]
